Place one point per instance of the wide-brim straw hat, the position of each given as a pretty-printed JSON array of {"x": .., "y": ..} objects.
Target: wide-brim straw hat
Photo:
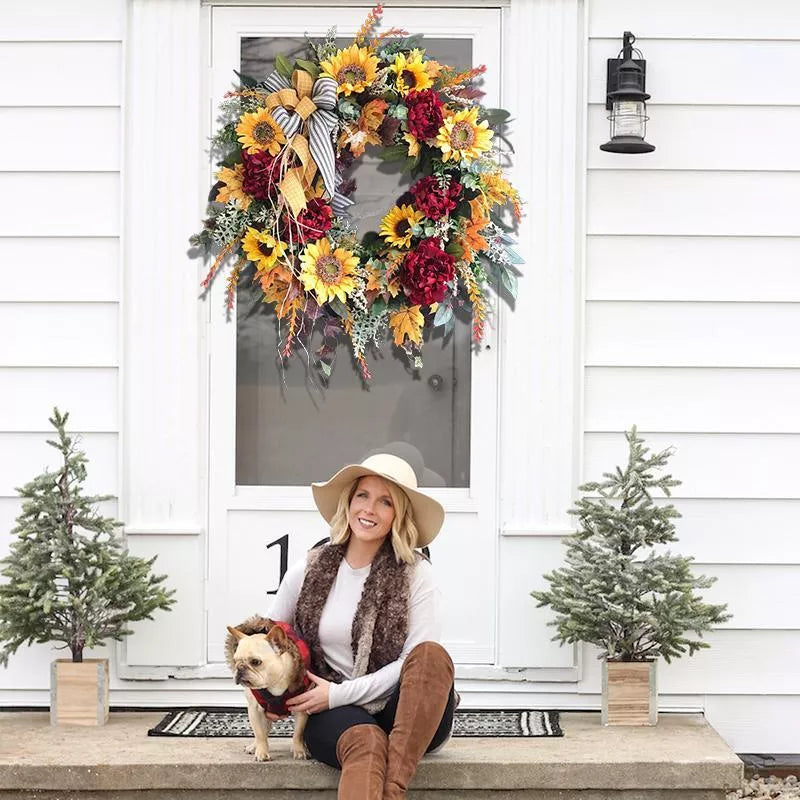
[{"x": 428, "y": 513}]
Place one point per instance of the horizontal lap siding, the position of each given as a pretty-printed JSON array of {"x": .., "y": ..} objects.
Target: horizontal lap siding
[
  {"x": 692, "y": 326},
  {"x": 60, "y": 109}
]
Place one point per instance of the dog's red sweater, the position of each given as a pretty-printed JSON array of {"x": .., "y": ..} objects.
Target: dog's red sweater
[{"x": 277, "y": 705}]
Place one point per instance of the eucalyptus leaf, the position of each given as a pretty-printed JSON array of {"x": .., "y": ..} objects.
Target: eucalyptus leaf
[
  {"x": 378, "y": 308},
  {"x": 397, "y": 152},
  {"x": 309, "y": 66},
  {"x": 443, "y": 315},
  {"x": 398, "y": 111},
  {"x": 283, "y": 66},
  {"x": 509, "y": 280},
  {"x": 515, "y": 257},
  {"x": 496, "y": 115},
  {"x": 454, "y": 249},
  {"x": 325, "y": 368},
  {"x": 338, "y": 307},
  {"x": 450, "y": 325}
]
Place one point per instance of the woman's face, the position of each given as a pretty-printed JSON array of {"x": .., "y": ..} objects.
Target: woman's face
[{"x": 371, "y": 511}]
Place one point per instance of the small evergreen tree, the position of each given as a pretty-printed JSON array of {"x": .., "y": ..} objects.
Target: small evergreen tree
[
  {"x": 68, "y": 577},
  {"x": 632, "y": 604}
]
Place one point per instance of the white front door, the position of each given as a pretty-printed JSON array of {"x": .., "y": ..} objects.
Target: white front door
[{"x": 273, "y": 430}]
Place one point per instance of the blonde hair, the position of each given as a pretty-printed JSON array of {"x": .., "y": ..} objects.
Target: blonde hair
[{"x": 404, "y": 527}]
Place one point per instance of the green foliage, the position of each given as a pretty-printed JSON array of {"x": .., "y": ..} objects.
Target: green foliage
[
  {"x": 634, "y": 605},
  {"x": 309, "y": 66},
  {"x": 68, "y": 577}
]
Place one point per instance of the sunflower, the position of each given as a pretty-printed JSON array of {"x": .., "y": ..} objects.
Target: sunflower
[
  {"x": 462, "y": 137},
  {"x": 411, "y": 73},
  {"x": 328, "y": 274},
  {"x": 262, "y": 248},
  {"x": 396, "y": 225},
  {"x": 232, "y": 190},
  {"x": 258, "y": 132},
  {"x": 353, "y": 69}
]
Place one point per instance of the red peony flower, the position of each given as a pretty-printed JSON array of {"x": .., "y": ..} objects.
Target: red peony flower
[
  {"x": 262, "y": 173},
  {"x": 432, "y": 199},
  {"x": 426, "y": 271},
  {"x": 312, "y": 222},
  {"x": 424, "y": 114}
]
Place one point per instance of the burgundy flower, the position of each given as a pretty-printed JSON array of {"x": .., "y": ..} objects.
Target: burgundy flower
[
  {"x": 426, "y": 271},
  {"x": 433, "y": 200},
  {"x": 312, "y": 222},
  {"x": 424, "y": 114},
  {"x": 262, "y": 172}
]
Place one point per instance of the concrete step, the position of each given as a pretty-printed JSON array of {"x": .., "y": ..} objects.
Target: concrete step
[{"x": 682, "y": 758}]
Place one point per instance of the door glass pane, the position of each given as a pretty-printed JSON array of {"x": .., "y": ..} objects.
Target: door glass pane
[{"x": 289, "y": 429}]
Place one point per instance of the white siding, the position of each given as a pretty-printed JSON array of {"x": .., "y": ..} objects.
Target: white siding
[
  {"x": 60, "y": 110},
  {"x": 692, "y": 329}
]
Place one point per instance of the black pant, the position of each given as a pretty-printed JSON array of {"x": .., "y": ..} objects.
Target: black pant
[{"x": 324, "y": 729}]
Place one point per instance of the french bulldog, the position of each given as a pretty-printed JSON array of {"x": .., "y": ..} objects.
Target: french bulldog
[{"x": 270, "y": 662}]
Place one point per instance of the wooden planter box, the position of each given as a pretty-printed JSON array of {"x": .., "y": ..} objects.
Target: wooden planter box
[
  {"x": 629, "y": 693},
  {"x": 79, "y": 692}
]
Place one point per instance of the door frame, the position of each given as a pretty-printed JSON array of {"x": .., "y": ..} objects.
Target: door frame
[{"x": 228, "y": 25}]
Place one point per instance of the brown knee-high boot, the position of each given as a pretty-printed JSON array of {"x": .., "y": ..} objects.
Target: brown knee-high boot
[
  {"x": 425, "y": 682},
  {"x": 361, "y": 751}
]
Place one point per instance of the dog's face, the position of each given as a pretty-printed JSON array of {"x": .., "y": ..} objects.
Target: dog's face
[{"x": 261, "y": 661}]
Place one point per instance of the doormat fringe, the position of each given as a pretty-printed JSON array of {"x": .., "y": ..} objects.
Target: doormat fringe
[{"x": 208, "y": 722}]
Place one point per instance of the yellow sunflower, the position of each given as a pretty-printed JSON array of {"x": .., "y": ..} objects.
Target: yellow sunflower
[
  {"x": 262, "y": 248},
  {"x": 462, "y": 137},
  {"x": 411, "y": 73},
  {"x": 396, "y": 225},
  {"x": 353, "y": 69},
  {"x": 259, "y": 132},
  {"x": 328, "y": 274},
  {"x": 232, "y": 190}
]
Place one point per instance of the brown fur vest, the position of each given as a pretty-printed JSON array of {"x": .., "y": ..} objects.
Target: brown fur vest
[{"x": 380, "y": 624}]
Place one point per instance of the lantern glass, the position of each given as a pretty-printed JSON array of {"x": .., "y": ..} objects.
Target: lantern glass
[{"x": 628, "y": 118}]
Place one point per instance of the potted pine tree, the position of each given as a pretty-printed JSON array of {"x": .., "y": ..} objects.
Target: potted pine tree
[
  {"x": 69, "y": 579},
  {"x": 621, "y": 593}
]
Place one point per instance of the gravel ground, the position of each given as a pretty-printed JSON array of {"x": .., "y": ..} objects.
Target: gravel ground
[{"x": 771, "y": 787}]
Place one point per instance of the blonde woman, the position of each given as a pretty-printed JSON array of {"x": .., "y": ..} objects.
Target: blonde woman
[{"x": 368, "y": 607}]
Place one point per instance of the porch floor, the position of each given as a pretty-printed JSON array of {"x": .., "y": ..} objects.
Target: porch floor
[{"x": 681, "y": 757}]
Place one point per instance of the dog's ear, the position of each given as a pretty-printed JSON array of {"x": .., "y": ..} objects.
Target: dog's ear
[
  {"x": 236, "y": 633},
  {"x": 277, "y": 638}
]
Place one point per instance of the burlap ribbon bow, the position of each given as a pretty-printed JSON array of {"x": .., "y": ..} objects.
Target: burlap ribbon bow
[{"x": 305, "y": 106}]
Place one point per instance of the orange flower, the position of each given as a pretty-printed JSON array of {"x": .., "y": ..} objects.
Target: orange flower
[
  {"x": 473, "y": 242},
  {"x": 278, "y": 277},
  {"x": 365, "y": 131}
]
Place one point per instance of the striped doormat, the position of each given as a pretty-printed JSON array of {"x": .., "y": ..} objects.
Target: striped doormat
[{"x": 467, "y": 722}]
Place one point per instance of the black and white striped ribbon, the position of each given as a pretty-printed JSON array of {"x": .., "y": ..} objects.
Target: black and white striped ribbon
[{"x": 321, "y": 124}]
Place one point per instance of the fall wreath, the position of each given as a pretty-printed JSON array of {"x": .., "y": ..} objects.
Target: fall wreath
[{"x": 280, "y": 202}]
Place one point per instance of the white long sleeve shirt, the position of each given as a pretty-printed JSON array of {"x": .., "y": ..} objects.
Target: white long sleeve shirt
[{"x": 336, "y": 623}]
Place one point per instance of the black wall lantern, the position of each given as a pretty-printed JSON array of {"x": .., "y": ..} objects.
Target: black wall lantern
[{"x": 625, "y": 99}]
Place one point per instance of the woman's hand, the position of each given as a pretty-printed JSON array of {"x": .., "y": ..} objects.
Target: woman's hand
[{"x": 314, "y": 700}]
